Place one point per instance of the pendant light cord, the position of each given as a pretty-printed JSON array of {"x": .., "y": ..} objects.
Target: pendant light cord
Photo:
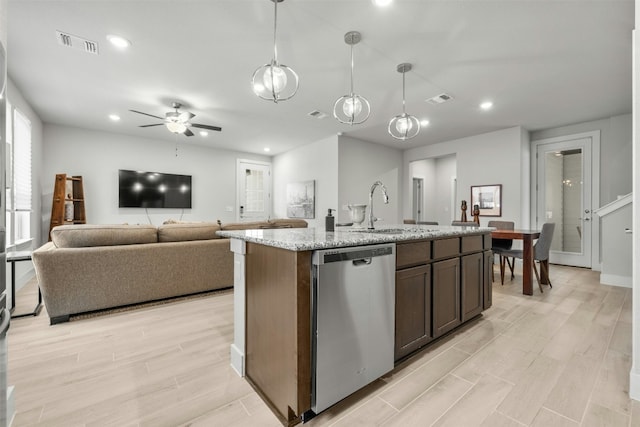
[
  {"x": 404, "y": 112},
  {"x": 351, "y": 65},
  {"x": 275, "y": 26}
]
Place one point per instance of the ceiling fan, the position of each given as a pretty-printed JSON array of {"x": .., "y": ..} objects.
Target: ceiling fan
[{"x": 177, "y": 122}]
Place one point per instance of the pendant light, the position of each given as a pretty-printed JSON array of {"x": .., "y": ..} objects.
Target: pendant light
[
  {"x": 274, "y": 81},
  {"x": 404, "y": 126},
  {"x": 352, "y": 109}
]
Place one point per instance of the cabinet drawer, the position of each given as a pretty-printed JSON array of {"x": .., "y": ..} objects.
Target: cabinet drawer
[
  {"x": 446, "y": 248},
  {"x": 411, "y": 254},
  {"x": 471, "y": 244}
]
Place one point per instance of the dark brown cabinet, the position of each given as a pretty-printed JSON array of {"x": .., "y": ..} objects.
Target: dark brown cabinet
[
  {"x": 446, "y": 296},
  {"x": 488, "y": 283},
  {"x": 440, "y": 284},
  {"x": 413, "y": 309},
  {"x": 472, "y": 285}
]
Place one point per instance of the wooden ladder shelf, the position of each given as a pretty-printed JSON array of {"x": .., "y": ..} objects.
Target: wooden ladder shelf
[{"x": 68, "y": 201}]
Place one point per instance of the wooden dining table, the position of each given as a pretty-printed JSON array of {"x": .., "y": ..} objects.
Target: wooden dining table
[{"x": 527, "y": 237}]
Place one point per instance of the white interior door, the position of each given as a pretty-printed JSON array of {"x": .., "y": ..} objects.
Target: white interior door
[
  {"x": 254, "y": 190},
  {"x": 564, "y": 192}
]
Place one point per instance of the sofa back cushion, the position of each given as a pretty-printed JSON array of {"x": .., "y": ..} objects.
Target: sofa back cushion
[
  {"x": 181, "y": 232},
  {"x": 85, "y": 235},
  {"x": 272, "y": 223}
]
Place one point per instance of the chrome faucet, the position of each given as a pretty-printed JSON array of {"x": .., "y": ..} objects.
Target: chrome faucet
[{"x": 385, "y": 197}]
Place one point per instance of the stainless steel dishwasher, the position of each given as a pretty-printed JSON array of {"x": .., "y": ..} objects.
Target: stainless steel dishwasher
[{"x": 353, "y": 320}]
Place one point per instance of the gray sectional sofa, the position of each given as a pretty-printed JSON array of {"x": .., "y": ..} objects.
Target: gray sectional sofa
[{"x": 94, "y": 267}]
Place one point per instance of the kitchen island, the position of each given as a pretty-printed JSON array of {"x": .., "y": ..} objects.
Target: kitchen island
[{"x": 442, "y": 279}]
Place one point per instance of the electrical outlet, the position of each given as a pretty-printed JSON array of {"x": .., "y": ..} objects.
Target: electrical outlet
[{"x": 229, "y": 209}]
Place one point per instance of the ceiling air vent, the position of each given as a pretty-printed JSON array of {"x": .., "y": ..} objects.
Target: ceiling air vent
[
  {"x": 439, "y": 99},
  {"x": 69, "y": 40},
  {"x": 317, "y": 114}
]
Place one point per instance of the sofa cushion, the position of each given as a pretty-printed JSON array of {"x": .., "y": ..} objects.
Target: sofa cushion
[
  {"x": 180, "y": 232},
  {"x": 286, "y": 223},
  {"x": 272, "y": 223},
  {"x": 86, "y": 235}
]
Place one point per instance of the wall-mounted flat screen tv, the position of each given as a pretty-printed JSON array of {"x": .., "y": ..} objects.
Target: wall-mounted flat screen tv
[{"x": 137, "y": 189}]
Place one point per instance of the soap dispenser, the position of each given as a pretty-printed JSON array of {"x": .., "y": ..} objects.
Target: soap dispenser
[{"x": 329, "y": 221}]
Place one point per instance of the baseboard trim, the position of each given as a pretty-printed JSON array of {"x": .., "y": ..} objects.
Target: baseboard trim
[
  {"x": 616, "y": 280},
  {"x": 237, "y": 360},
  {"x": 634, "y": 385}
]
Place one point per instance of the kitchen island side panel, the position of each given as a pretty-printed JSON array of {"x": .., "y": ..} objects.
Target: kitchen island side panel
[{"x": 278, "y": 349}]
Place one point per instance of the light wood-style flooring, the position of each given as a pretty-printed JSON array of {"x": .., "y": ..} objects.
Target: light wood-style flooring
[{"x": 561, "y": 358}]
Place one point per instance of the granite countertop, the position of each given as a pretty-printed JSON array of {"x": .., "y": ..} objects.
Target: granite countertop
[{"x": 306, "y": 239}]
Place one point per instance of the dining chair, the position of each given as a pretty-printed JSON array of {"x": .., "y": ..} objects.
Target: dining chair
[
  {"x": 500, "y": 245},
  {"x": 409, "y": 221},
  {"x": 465, "y": 223},
  {"x": 427, "y": 222},
  {"x": 540, "y": 252}
]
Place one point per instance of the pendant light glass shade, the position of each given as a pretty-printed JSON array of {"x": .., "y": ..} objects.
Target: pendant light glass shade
[
  {"x": 404, "y": 126},
  {"x": 351, "y": 109},
  {"x": 274, "y": 81}
]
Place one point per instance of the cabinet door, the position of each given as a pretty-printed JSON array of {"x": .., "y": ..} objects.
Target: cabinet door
[
  {"x": 413, "y": 309},
  {"x": 472, "y": 285},
  {"x": 446, "y": 296},
  {"x": 488, "y": 283}
]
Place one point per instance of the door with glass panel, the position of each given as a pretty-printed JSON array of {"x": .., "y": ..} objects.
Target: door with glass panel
[
  {"x": 254, "y": 190},
  {"x": 563, "y": 196}
]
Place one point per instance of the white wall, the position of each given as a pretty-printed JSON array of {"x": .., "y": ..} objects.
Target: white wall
[
  {"x": 615, "y": 152},
  {"x": 97, "y": 156},
  {"x": 316, "y": 161},
  {"x": 490, "y": 158},
  {"x": 361, "y": 164}
]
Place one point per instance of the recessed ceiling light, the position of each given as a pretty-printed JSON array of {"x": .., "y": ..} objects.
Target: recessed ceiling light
[
  {"x": 119, "y": 42},
  {"x": 267, "y": 149},
  {"x": 382, "y": 3},
  {"x": 114, "y": 117},
  {"x": 204, "y": 133},
  {"x": 424, "y": 122},
  {"x": 486, "y": 105}
]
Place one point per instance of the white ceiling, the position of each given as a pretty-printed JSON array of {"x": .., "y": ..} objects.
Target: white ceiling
[{"x": 544, "y": 63}]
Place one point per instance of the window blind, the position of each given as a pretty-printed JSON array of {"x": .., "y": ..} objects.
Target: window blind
[{"x": 22, "y": 161}]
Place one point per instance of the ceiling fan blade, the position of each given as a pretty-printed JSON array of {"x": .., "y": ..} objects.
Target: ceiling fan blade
[
  {"x": 150, "y": 115},
  {"x": 147, "y": 126},
  {"x": 186, "y": 116},
  {"x": 188, "y": 133},
  {"x": 196, "y": 125}
]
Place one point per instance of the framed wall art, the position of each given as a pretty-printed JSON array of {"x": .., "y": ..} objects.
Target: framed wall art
[
  {"x": 301, "y": 199},
  {"x": 488, "y": 198}
]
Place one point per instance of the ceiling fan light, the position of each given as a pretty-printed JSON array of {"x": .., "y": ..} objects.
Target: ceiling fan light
[{"x": 176, "y": 127}]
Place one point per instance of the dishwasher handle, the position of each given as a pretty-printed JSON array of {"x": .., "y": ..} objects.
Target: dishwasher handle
[
  {"x": 362, "y": 261},
  {"x": 356, "y": 253}
]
